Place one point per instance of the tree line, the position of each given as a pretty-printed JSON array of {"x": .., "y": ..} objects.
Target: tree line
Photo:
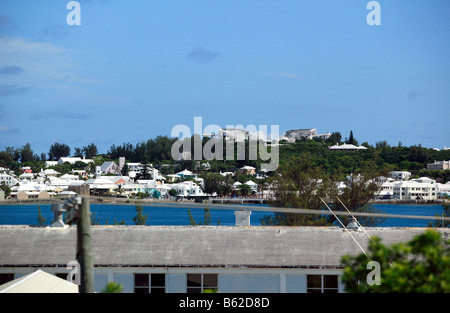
[{"x": 158, "y": 151}]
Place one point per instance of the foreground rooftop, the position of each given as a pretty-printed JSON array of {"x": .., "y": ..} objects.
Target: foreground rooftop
[{"x": 192, "y": 246}]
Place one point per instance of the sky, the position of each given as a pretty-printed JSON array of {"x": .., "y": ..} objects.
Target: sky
[{"x": 135, "y": 69}]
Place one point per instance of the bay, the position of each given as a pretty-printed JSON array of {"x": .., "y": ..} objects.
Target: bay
[{"x": 106, "y": 214}]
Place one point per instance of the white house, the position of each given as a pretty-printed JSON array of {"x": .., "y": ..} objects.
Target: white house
[
  {"x": 188, "y": 189},
  {"x": 346, "y": 147},
  {"x": 69, "y": 177},
  {"x": 400, "y": 175},
  {"x": 418, "y": 189},
  {"x": 386, "y": 190},
  {"x": 50, "y": 163},
  {"x": 225, "y": 174},
  {"x": 110, "y": 168},
  {"x": 237, "y": 185},
  {"x": 253, "y": 186},
  {"x": 135, "y": 167},
  {"x": 187, "y": 174},
  {"x": 73, "y": 160},
  {"x": 8, "y": 180},
  {"x": 439, "y": 165},
  {"x": 443, "y": 189}
]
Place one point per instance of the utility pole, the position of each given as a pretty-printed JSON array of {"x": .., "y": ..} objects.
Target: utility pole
[
  {"x": 84, "y": 251},
  {"x": 79, "y": 211}
]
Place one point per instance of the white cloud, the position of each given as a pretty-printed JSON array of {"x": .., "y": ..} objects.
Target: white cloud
[
  {"x": 8, "y": 130},
  {"x": 43, "y": 63}
]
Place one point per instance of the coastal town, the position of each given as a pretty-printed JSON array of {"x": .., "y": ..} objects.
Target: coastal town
[{"x": 120, "y": 178}]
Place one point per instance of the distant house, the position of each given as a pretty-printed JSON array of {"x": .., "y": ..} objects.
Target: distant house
[
  {"x": 26, "y": 169},
  {"x": 26, "y": 176},
  {"x": 50, "y": 163},
  {"x": 400, "y": 175},
  {"x": 31, "y": 195},
  {"x": 443, "y": 189},
  {"x": 309, "y": 133},
  {"x": 186, "y": 174},
  {"x": 346, "y": 147},
  {"x": 8, "y": 180},
  {"x": 248, "y": 170},
  {"x": 253, "y": 186},
  {"x": 101, "y": 185},
  {"x": 235, "y": 134},
  {"x": 227, "y": 174},
  {"x": 69, "y": 177},
  {"x": 73, "y": 160},
  {"x": 422, "y": 188},
  {"x": 49, "y": 172},
  {"x": 439, "y": 165},
  {"x": 134, "y": 167},
  {"x": 110, "y": 168}
]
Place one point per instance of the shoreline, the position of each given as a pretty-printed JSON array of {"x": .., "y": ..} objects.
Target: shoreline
[
  {"x": 241, "y": 201},
  {"x": 412, "y": 202}
]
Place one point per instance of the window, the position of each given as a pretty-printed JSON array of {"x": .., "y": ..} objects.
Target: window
[
  {"x": 158, "y": 283},
  {"x": 4, "y": 278},
  {"x": 153, "y": 283},
  {"x": 197, "y": 283},
  {"x": 61, "y": 275},
  {"x": 322, "y": 283}
]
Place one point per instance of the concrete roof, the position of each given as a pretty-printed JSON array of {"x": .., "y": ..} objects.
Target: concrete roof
[
  {"x": 39, "y": 282},
  {"x": 186, "y": 246}
]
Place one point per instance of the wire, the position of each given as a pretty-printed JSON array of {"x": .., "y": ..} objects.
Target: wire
[{"x": 346, "y": 229}]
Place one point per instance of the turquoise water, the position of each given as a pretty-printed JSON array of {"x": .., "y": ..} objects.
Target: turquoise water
[{"x": 106, "y": 214}]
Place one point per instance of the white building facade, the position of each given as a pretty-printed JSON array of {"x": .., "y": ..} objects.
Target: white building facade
[
  {"x": 417, "y": 189},
  {"x": 186, "y": 259}
]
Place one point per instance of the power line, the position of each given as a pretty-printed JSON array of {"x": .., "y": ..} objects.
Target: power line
[{"x": 234, "y": 207}]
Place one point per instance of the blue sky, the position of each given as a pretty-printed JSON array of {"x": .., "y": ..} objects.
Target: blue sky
[{"x": 134, "y": 69}]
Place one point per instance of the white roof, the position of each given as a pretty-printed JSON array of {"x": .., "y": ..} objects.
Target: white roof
[
  {"x": 247, "y": 168},
  {"x": 412, "y": 183},
  {"x": 68, "y": 193},
  {"x": 100, "y": 181},
  {"x": 251, "y": 183},
  {"x": 347, "y": 146},
  {"x": 185, "y": 173},
  {"x": 26, "y": 175},
  {"x": 39, "y": 282},
  {"x": 74, "y": 160},
  {"x": 50, "y": 171},
  {"x": 68, "y": 176}
]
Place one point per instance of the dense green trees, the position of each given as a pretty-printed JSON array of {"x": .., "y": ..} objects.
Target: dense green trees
[
  {"x": 216, "y": 183},
  {"x": 158, "y": 151},
  {"x": 418, "y": 266},
  {"x": 155, "y": 150},
  {"x": 299, "y": 183},
  {"x": 57, "y": 151}
]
